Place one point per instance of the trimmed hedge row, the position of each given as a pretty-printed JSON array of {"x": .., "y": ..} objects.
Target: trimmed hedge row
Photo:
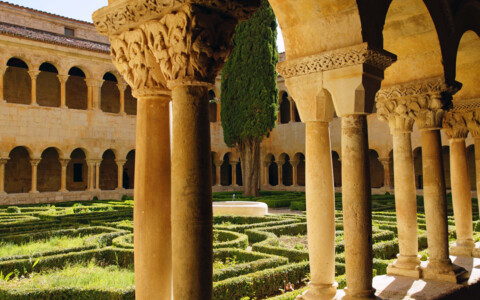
[
  {"x": 229, "y": 239},
  {"x": 68, "y": 293}
]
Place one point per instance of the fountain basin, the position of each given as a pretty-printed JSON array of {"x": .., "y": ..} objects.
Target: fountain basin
[{"x": 240, "y": 208}]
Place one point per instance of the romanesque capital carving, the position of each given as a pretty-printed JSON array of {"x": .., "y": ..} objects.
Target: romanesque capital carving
[
  {"x": 94, "y": 82},
  {"x": 455, "y": 125},
  {"x": 34, "y": 74},
  {"x": 470, "y": 111},
  {"x": 423, "y": 101},
  {"x": 62, "y": 78},
  {"x": 121, "y": 162},
  {"x": 157, "y": 44},
  {"x": 35, "y": 161},
  {"x": 336, "y": 59}
]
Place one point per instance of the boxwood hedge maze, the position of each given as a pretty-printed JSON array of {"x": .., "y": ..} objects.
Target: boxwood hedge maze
[{"x": 84, "y": 250}]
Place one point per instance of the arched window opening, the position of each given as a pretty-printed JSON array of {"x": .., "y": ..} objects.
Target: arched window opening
[
  {"x": 18, "y": 171},
  {"x": 212, "y": 111},
  {"x": 108, "y": 171},
  {"x": 17, "y": 83},
  {"x": 287, "y": 172},
  {"x": 226, "y": 171},
  {"x": 446, "y": 166},
  {"x": 76, "y": 89},
  {"x": 48, "y": 86},
  {"x": 284, "y": 109},
  {"x": 273, "y": 172},
  {"x": 49, "y": 171},
  {"x": 77, "y": 171},
  {"x": 110, "y": 94},
  {"x": 337, "y": 169},
  {"x": 129, "y": 171},
  {"x": 300, "y": 169},
  {"x": 377, "y": 174},
  {"x": 238, "y": 173},
  {"x": 417, "y": 162},
  {"x": 130, "y": 102}
]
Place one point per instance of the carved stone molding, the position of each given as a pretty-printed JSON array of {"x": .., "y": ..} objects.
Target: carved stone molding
[
  {"x": 124, "y": 15},
  {"x": 336, "y": 59},
  {"x": 455, "y": 125},
  {"x": 422, "y": 101}
]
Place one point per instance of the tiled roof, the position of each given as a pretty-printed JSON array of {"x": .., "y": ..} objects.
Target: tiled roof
[
  {"x": 52, "y": 38},
  {"x": 4, "y": 3}
]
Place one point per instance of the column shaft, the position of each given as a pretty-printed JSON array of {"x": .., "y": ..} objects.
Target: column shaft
[
  {"x": 63, "y": 90},
  {"x": 90, "y": 176},
  {"x": 2, "y": 175},
  {"x": 265, "y": 174},
  {"x": 97, "y": 175},
  {"x": 120, "y": 164},
  {"x": 33, "y": 76},
  {"x": 34, "y": 163},
  {"x": 408, "y": 261},
  {"x": 295, "y": 173},
  {"x": 152, "y": 226},
  {"x": 191, "y": 195},
  {"x": 280, "y": 173},
  {"x": 461, "y": 196},
  {"x": 2, "y": 72},
  {"x": 320, "y": 198},
  {"x": 234, "y": 173},
  {"x": 63, "y": 184},
  {"x": 357, "y": 215}
]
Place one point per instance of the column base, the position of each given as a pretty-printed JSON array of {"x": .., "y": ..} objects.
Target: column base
[
  {"x": 476, "y": 250},
  {"x": 444, "y": 270},
  {"x": 319, "y": 292},
  {"x": 63, "y": 191},
  {"x": 408, "y": 266},
  {"x": 33, "y": 192},
  {"x": 462, "y": 248},
  {"x": 359, "y": 295}
]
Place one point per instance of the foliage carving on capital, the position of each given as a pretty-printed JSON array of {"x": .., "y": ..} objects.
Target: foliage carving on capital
[
  {"x": 455, "y": 125},
  {"x": 423, "y": 101},
  {"x": 336, "y": 59},
  {"x": 470, "y": 110}
]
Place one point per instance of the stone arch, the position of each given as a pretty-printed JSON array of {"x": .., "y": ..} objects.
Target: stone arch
[
  {"x": 108, "y": 171},
  {"x": 49, "y": 171},
  {"x": 299, "y": 158},
  {"x": 377, "y": 173},
  {"x": 77, "y": 170},
  {"x": 446, "y": 166},
  {"x": 129, "y": 171},
  {"x": 76, "y": 89},
  {"x": 417, "y": 162},
  {"x": 337, "y": 169},
  {"x": 226, "y": 170},
  {"x": 272, "y": 170},
  {"x": 17, "y": 83},
  {"x": 130, "y": 102},
  {"x": 471, "y": 167},
  {"x": 110, "y": 94},
  {"x": 287, "y": 169},
  {"x": 48, "y": 86},
  {"x": 18, "y": 171},
  {"x": 284, "y": 109}
]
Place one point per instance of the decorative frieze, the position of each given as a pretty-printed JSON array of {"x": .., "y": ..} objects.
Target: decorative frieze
[{"x": 336, "y": 59}]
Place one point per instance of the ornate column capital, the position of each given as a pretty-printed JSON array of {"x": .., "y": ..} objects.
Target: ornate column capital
[
  {"x": 455, "y": 125},
  {"x": 157, "y": 44},
  {"x": 33, "y": 74},
  {"x": 35, "y": 161},
  {"x": 94, "y": 82},
  {"x": 385, "y": 161},
  {"x": 218, "y": 163},
  {"x": 121, "y": 162},
  {"x": 470, "y": 112},
  {"x": 294, "y": 163},
  {"x": 93, "y": 162},
  {"x": 122, "y": 87},
  {"x": 421, "y": 101},
  {"x": 63, "y": 78}
]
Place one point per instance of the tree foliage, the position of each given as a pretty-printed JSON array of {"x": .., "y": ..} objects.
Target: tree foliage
[{"x": 249, "y": 80}]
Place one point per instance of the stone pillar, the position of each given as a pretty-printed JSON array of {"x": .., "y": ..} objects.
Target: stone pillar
[
  {"x": 266, "y": 166},
  {"x": 63, "y": 182},
  {"x": 3, "y": 69},
  {"x": 3, "y": 161},
  {"x": 392, "y": 108},
  {"x": 455, "y": 127},
  {"x": 196, "y": 41},
  {"x": 94, "y": 93},
  {"x": 294, "y": 164},
  {"x": 97, "y": 174},
  {"x": 233, "y": 164},
  {"x": 121, "y": 88},
  {"x": 320, "y": 197},
  {"x": 33, "y": 76},
  {"x": 218, "y": 173},
  {"x": 428, "y": 115},
  {"x": 387, "y": 180},
  {"x": 63, "y": 90},
  {"x": 91, "y": 175},
  {"x": 34, "y": 163},
  {"x": 280, "y": 164},
  {"x": 120, "y": 163}
]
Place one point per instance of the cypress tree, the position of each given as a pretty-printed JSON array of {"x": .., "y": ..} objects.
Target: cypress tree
[{"x": 249, "y": 91}]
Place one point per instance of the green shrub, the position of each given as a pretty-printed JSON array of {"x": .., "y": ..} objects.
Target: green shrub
[{"x": 13, "y": 210}]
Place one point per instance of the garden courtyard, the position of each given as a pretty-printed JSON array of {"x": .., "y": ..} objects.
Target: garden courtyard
[{"x": 84, "y": 250}]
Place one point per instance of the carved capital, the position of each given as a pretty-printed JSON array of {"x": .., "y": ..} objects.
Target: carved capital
[
  {"x": 62, "y": 78},
  {"x": 94, "y": 83},
  {"x": 121, "y": 162},
  {"x": 34, "y": 74},
  {"x": 35, "y": 161},
  {"x": 455, "y": 125},
  {"x": 423, "y": 101},
  {"x": 470, "y": 111},
  {"x": 336, "y": 59}
]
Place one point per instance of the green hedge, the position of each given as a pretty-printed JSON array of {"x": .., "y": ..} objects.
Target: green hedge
[
  {"x": 68, "y": 293},
  {"x": 229, "y": 239}
]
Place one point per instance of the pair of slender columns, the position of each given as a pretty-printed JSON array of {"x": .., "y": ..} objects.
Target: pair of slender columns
[
  {"x": 63, "y": 90},
  {"x": 33, "y": 76},
  {"x": 34, "y": 163},
  {"x": 120, "y": 164},
  {"x": 186, "y": 213}
]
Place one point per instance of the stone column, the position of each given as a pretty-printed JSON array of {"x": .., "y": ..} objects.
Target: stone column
[
  {"x": 218, "y": 165},
  {"x": 428, "y": 115},
  {"x": 195, "y": 41},
  {"x": 91, "y": 175},
  {"x": 97, "y": 174},
  {"x": 34, "y": 163},
  {"x": 320, "y": 197},
  {"x": 120, "y": 163},
  {"x": 294, "y": 164},
  {"x": 387, "y": 180},
  {"x": 3, "y": 69},
  {"x": 280, "y": 164},
  {"x": 392, "y": 108},
  {"x": 477, "y": 167},
  {"x": 121, "y": 88},
  {"x": 63, "y": 184},
  {"x": 33, "y": 76},
  {"x": 63, "y": 90},
  {"x": 94, "y": 93},
  {"x": 455, "y": 127},
  {"x": 266, "y": 166},
  {"x": 3, "y": 161},
  {"x": 233, "y": 164}
]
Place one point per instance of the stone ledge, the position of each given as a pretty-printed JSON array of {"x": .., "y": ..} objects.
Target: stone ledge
[{"x": 55, "y": 197}]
